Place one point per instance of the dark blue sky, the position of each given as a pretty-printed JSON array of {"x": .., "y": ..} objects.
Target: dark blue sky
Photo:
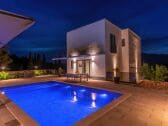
[{"x": 54, "y": 18}]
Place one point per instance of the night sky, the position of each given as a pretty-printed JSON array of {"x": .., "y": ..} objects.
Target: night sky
[{"x": 148, "y": 18}]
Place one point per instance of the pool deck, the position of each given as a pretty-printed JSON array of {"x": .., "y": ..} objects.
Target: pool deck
[{"x": 145, "y": 107}]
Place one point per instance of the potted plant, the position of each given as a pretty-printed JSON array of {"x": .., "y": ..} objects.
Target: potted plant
[{"x": 117, "y": 77}]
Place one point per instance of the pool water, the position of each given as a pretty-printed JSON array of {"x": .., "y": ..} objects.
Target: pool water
[{"x": 58, "y": 104}]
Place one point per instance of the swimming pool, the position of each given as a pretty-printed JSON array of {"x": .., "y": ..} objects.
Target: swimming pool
[{"x": 58, "y": 104}]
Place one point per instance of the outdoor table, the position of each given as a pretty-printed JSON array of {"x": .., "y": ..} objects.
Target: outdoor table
[{"x": 75, "y": 76}]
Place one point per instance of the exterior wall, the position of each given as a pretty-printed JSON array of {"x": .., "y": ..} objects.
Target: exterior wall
[
  {"x": 112, "y": 59},
  {"x": 124, "y": 71},
  {"x": 134, "y": 56},
  {"x": 98, "y": 67},
  {"x": 96, "y": 63},
  {"x": 83, "y": 36},
  {"x": 127, "y": 59},
  {"x": 131, "y": 57}
]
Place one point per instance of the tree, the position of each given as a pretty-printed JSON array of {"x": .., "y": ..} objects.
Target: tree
[
  {"x": 145, "y": 71},
  {"x": 152, "y": 73},
  {"x": 44, "y": 60},
  {"x": 157, "y": 73},
  {"x": 30, "y": 58},
  {"x": 5, "y": 59},
  {"x": 39, "y": 60},
  {"x": 34, "y": 59},
  {"x": 161, "y": 73}
]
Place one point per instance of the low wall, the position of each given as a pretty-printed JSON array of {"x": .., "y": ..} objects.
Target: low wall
[{"x": 153, "y": 84}]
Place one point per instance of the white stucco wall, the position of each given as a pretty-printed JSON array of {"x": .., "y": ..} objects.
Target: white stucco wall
[
  {"x": 99, "y": 32},
  {"x": 97, "y": 66},
  {"x": 112, "y": 59},
  {"x": 125, "y": 52},
  {"x": 83, "y": 36}
]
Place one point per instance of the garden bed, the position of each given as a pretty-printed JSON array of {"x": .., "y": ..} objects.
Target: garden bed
[
  {"x": 153, "y": 84},
  {"x": 5, "y": 75}
]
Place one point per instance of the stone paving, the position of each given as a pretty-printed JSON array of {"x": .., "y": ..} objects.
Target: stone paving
[{"x": 145, "y": 107}]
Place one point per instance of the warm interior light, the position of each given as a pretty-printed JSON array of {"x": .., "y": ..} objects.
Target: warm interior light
[
  {"x": 74, "y": 65},
  {"x": 93, "y": 49},
  {"x": 92, "y": 58},
  {"x": 74, "y": 54},
  {"x": 115, "y": 73},
  {"x": 92, "y": 52},
  {"x": 35, "y": 67},
  {"x": 74, "y": 60},
  {"x": 3, "y": 67}
]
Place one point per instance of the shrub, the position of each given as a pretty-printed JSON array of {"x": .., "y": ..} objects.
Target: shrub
[
  {"x": 145, "y": 71},
  {"x": 159, "y": 73},
  {"x": 60, "y": 71},
  {"x": 38, "y": 72},
  {"x": 4, "y": 75}
]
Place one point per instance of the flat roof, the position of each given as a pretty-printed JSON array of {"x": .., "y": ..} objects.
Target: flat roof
[{"x": 11, "y": 25}]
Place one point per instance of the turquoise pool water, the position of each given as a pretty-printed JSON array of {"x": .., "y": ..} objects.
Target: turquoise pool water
[{"x": 58, "y": 104}]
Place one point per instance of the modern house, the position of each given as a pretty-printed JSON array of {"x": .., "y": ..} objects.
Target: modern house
[
  {"x": 104, "y": 51},
  {"x": 12, "y": 25}
]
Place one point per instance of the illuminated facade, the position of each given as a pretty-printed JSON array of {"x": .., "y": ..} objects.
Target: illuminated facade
[{"x": 105, "y": 51}]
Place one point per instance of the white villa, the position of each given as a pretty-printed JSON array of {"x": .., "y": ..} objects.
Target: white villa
[
  {"x": 104, "y": 51},
  {"x": 11, "y": 25}
]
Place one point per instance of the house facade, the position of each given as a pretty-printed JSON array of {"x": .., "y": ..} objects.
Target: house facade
[{"x": 104, "y": 51}]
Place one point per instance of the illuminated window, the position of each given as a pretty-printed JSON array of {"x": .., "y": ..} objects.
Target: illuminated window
[
  {"x": 113, "y": 47},
  {"x": 123, "y": 42}
]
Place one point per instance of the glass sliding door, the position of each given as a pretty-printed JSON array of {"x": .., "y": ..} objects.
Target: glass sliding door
[
  {"x": 79, "y": 66},
  {"x": 83, "y": 66},
  {"x": 87, "y": 67}
]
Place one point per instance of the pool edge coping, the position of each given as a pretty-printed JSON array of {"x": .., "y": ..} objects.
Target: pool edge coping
[
  {"x": 102, "y": 111},
  {"x": 19, "y": 114}
]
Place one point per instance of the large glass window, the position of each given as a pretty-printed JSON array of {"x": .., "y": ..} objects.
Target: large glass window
[{"x": 113, "y": 47}]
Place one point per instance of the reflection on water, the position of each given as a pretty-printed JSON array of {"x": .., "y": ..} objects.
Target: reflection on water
[
  {"x": 74, "y": 99},
  {"x": 93, "y": 96},
  {"x": 2, "y": 92},
  {"x": 103, "y": 95},
  {"x": 82, "y": 90}
]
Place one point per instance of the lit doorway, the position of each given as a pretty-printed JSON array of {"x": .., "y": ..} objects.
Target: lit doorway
[{"x": 83, "y": 66}]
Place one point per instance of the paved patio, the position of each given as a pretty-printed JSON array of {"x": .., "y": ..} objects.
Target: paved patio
[{"x": 145, "y": 107}]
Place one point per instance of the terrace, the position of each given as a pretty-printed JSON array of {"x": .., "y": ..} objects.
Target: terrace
[{"x": 143, "y": 107}]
